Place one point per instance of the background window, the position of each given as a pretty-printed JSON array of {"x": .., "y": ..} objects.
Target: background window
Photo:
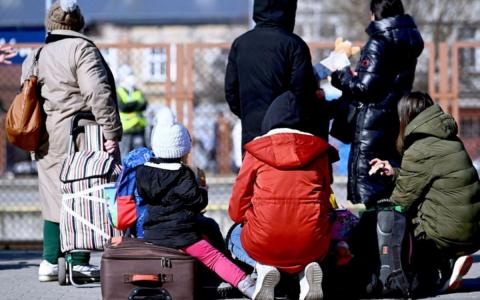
[{"x": 155, "y": 68}]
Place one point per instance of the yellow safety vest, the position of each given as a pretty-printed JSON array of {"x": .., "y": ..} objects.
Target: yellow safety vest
[{"x": 131, "y": 121}]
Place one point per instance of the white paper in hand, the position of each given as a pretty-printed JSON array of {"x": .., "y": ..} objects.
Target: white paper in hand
[{"x": 336, "y": 61}]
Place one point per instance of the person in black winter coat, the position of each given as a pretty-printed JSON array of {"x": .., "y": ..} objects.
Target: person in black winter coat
[
  {"x": 385, "y": 72},
  {"x": 175, "y": 199},
  {"x": 268, "y": 61}
]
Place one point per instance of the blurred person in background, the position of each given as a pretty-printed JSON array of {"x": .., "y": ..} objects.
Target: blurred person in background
[
  {"x": 132, "y": 105},
  {"x": 72, "y": 78},
  {"x": 237, "y": 146},
  {"x": 6, "y": 52}
]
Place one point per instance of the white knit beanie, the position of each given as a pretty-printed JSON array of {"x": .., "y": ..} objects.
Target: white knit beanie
[{"x": 169, "y": 138}]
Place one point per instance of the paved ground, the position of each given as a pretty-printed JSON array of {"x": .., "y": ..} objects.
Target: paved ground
[{"x": 18, "y": 280}]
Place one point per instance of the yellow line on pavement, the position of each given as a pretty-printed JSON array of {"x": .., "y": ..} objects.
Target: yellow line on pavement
[
  {"x": 26, "y": 209},
  {"x": 217, "y": 207}
]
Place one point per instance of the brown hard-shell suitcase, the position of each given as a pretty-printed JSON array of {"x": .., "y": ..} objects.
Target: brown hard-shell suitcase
[{"x": 132, "y": 267}]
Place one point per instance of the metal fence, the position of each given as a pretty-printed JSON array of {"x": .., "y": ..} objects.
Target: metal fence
[{"x": 189, "y": 79}]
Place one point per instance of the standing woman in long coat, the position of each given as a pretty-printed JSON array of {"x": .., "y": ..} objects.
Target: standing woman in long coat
[
  {"x": 72, "y": 78},
  {"x": 385, "y": 72}
]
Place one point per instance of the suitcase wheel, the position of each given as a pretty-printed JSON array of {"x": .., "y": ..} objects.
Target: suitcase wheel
[
  {"x": 149, "y": 293},
  {"x": 62, "y": 271}
]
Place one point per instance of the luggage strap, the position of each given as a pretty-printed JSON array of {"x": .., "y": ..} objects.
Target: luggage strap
[
  {"x": 80, "y": 218},
  {"x": 85, "y": 194},
  {"x": 137, "y": 278},
  {"x": 86, "y": 222}
]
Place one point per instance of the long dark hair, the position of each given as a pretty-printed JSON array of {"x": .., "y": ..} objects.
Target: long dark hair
[
  {"x": 409, "y": 107},
  {"x": 382, "y": 9}
]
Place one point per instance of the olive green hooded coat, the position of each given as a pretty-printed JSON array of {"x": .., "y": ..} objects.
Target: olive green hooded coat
[{"x": 437, "y": 178}]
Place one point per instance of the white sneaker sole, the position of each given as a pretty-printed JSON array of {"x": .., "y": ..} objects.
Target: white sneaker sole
[
  {"x": 47, "y": 278},
  {"x": 460, "y": 269},
  {"x": 267, "y": 289},
  {"x": 314, "y": 276}
]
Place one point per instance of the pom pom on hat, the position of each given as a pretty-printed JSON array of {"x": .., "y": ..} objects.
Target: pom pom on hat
[
  {"x": 169, "y": 138},
  {"x": 68, "y": 5},
  {"x": 65, "y": 15},
  {"x": 165, "y": 117}
]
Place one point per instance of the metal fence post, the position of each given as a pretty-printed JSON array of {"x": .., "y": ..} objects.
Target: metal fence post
[
  {"x": 444, "y": 82},
  {"x": 224, "y": 145},
  {"x": 3, "y": 146}
]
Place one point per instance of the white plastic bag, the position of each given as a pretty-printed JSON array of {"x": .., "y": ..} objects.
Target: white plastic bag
[{"x": 336, "y": 61}]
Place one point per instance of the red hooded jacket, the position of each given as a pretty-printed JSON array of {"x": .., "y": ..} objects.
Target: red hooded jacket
[{"x": 282, "y": 197}]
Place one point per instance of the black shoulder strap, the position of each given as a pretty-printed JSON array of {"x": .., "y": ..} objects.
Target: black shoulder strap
[
  {"x": 37, "y": 56},
  {"x": 34, "y": 65}
]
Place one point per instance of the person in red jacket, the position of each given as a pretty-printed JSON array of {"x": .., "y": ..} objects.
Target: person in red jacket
[{"x": 281, "y": 199}]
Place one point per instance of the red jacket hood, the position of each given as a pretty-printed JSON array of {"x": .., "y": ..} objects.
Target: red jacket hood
[{"x": 287, "y": 150}]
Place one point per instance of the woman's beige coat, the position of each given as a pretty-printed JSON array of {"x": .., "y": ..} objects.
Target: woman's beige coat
[{"x": 73, "y": 79}]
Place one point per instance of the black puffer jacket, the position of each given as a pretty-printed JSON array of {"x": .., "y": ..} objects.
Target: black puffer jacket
[
  {"x": 386, "y": 71},
  {"x": 266, "y": 62},
  {"x": 174, "y": 200}
]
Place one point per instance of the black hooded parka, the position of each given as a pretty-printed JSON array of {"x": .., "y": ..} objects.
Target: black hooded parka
[
  {"x": 266, "y": 62},
  {"x": 385, "y": 72}
]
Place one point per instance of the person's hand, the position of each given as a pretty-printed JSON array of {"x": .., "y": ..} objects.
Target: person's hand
[
  {"x": 111, "y": 146},
  {"x": 6, "y": 52},
  {"x": 383, "y": 167},
  {"x": 320, "y": 94}
]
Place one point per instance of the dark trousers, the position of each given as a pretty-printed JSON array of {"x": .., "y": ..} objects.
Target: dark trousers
[
  {"x": 209, "y": 228},
  {"x": 51, "y": 245}
]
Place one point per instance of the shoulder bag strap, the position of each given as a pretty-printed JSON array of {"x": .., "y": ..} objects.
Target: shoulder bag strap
[{"x": 34, "y": 68}]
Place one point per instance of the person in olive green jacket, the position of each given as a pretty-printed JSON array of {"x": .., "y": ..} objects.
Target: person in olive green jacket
[{"x": 438, "y": 187}]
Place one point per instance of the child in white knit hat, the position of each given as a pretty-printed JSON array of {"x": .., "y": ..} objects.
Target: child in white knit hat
[{"x": 176, "y": 199}]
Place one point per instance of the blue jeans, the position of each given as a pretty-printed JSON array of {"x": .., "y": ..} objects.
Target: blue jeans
[{"x": 235, "y": 246}]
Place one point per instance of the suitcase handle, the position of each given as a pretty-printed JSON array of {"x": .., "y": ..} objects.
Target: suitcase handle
[
  {"x": 78, "y": 117},
  {"x": 153, "y": 294},
  {"x": 75, "y": 129},
  {"x": 147, "y": 278}
]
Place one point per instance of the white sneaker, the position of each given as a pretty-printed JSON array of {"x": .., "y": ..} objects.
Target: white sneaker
[
  {"x": 268, "y": 278},
  {"x": 47, "y": 271},
  {"x": 89, "y": 271},
  {"x": 247, "y": 286},
  {"x": 460, "y": 268},
  {"x": 311, "y": 282}
]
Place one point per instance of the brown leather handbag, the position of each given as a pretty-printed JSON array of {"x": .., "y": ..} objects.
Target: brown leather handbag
[{"x": 24, "y": 122}]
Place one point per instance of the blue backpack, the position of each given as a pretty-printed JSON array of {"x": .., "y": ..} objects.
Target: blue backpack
[{"x": 127, "y": 209}]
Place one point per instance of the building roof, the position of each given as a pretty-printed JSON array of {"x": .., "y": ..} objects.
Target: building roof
[{"x": 31, "y": 13}]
